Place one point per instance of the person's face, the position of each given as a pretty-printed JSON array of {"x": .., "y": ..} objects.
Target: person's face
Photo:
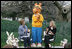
[
  {"x": 51, "y": 24},
  {"x": 23, "y": 23}
]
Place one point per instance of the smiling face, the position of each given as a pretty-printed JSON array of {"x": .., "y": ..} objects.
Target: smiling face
[
  {"x": 37, "y": 8},
  {"x": 52, "y": 24}
]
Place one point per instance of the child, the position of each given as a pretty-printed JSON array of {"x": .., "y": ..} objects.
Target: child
[
  {"x": 50, "y": 32},
  {"x": 24, "y": 33}
]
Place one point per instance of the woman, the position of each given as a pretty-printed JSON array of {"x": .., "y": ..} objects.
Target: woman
[{"x": 50, "y": 31}]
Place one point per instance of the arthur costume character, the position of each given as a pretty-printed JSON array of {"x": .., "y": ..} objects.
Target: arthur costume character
[{"x": 37, "y": 20}]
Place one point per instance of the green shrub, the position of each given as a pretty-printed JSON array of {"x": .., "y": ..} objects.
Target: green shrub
[{"x": 63, "y": 30}]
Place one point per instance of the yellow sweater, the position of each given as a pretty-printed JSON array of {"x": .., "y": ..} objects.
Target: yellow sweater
[{"x": 35, "y": 22}]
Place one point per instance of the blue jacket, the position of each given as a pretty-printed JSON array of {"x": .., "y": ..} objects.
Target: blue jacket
[{"x": 21, "y": 31}]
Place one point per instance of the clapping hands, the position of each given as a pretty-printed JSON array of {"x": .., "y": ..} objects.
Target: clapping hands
[
  {"x": 38, "y": 16},
  {"x": 50, "y": 32},
  {"x": 28, "y": 30}
]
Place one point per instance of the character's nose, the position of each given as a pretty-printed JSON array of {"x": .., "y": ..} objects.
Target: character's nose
[
  {"x": 33, "y": 9},
  {"x": 37, "y": 8}
]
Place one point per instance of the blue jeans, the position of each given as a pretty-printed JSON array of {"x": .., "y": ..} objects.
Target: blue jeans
[{"x": 36, "y": 34}]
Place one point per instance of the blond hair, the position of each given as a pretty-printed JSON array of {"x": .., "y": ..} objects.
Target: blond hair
[{"x": 53, "y": 23}]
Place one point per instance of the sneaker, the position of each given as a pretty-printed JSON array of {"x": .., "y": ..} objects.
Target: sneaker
[
  {"x": 39, "y": 45},
  {"x": 33, "y": 45}
]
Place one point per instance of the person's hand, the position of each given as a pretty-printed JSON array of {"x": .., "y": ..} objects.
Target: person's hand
[
  {"x": 28, "y": 30},
  {"x": 46, "y": 29},
  {"x": 38, "y": 16},
  {"x": 25, "y": 30},
  {"x": 40, "y": 21},
  {"x": 51, "y": 32},
  {"x": 46, "y": 32}
]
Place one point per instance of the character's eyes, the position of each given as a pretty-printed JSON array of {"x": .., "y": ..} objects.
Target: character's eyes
[
  {"x": 36, "y": 7},
  {"x": 39, "y": 8}
]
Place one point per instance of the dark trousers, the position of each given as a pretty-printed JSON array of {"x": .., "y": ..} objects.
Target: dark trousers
[
  {"x": 47, "y": 42},
  {"x": 26, "y": 41}
]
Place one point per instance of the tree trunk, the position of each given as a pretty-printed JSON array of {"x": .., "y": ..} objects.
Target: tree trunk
[
  {"x": 58, "y": 5},
  {"x": 64, "y": 15}
]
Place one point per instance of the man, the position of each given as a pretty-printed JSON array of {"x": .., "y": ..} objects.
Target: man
[{"x": 24, "y": 33}]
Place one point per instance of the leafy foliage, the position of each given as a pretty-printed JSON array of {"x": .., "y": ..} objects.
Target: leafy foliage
[
  {"x": 63, "y": 30},
  {"x": 24, "y": 9}
]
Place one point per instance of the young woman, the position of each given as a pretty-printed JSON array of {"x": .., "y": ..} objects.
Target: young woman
[{"x": 50, "y": 31}]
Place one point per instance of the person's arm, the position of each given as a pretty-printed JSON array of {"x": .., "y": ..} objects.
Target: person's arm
[
  {"x": 53, "y": 32},
  {"x": 41, "y": 18},
  {"x": 20, "y": 31},
  {"x": 47, "y": 29},
  {"x": 34, "y": 19},
  {"x": 26, "y": 29}
]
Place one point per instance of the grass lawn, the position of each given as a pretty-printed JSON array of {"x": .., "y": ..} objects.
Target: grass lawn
[{"x": 63, "y": 31}]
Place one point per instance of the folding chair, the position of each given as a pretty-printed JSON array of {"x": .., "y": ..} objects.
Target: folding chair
[{"x": 51, "y": 40}]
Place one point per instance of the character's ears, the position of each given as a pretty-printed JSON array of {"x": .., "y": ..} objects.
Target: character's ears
[
  {"x": 11, "y": 34},
  {"x": 40, "y": 4},
  {"x": 35, "y": 4},
  {"x": 7, "y": 33}
]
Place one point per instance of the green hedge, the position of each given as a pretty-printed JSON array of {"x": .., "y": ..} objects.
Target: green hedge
[
  {"x": 11, "y": 26},
  {"x": 63, "y": 30}
]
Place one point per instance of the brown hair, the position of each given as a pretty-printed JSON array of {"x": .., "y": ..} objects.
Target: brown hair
[{"x": 21, "y": 21}]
